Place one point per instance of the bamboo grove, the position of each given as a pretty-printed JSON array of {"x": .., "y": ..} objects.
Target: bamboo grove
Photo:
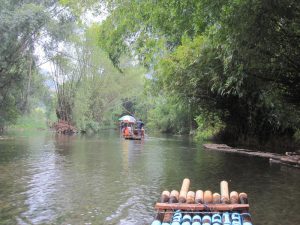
[{"x": 226, "y": 68}]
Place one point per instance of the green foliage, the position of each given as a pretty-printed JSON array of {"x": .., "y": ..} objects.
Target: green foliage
[
  {"x": 79, "y": 7},
  {"x": 168, "y": 115},
  {"x": 20, "y": 23},
  {"x": 103, "y": 90},
  {"x": 209, "y": 125},
  {"x": 35, "y": 120},
  {"x": 236, "y": 59},
  {"x": 8, "y": 111}
]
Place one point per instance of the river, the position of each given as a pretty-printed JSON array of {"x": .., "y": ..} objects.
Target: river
[{"x": 103, "y": 179}]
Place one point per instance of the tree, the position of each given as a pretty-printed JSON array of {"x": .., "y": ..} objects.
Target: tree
[
  {"x": 20, "y": 24},
  {"x": 235, "y": 59}
]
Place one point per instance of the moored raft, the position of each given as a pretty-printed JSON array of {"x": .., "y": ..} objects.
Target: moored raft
[{"x": 202, "y": 207}]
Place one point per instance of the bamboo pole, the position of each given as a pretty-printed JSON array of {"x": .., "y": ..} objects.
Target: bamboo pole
[
  {"x": 234, "y": 197},
  {"x": 190, "y": 198},
  {"x": 243, "y": 197},
  {"x": 208, "y": 198},
  {"x": 224, "y": 192},
  {"x": 194, "y": 207},
  {"x": 165, "y": 196},
  {"x": 199, "y": 197},
  {"x": 184, "y": 190},
  {"x": 216, "y": 198},
  {"x": 174, "y": 196}
]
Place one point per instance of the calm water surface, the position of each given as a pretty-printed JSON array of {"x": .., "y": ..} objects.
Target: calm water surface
[{"x": 103, "y": 179}]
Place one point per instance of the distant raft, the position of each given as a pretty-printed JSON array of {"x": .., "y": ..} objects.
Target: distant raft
[{"x": 202, "y": 207}]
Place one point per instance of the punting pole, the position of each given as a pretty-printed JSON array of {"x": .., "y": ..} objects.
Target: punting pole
[
  {"x": 184, "y": 190},
  {"x": 216, "y": 198},
  {"x": 199, "y": 197},
  {"x": 174, "y": 196},
  {"x": 190, "y": 197},
  {"x": 208, "y": 198},
  {"x": 224, "y": 192},
  {"x": 234, "y": 197}
]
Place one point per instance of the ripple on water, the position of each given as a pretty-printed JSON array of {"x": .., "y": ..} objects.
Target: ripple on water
[
  {"x": 86, "y": 181},
  {"x": 137, "y": 209}
]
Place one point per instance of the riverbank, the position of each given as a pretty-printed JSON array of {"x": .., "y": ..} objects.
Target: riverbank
[{"x": 290, "y": 159}]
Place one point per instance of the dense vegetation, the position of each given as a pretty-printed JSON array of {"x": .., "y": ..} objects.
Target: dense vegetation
[
  {"x": 227, "y": 67},
  {"x": 20, "y": 82},
  {"x": 233, "y": 65}
]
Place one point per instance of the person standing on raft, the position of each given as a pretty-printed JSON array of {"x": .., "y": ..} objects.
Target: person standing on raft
[{"x": 140, "y": 126}]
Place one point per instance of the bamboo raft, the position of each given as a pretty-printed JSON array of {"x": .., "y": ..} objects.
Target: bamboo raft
[
  {"x": 135, "y": 135},
  {"x": 202, "y": 207},
  {"x": 132, "y": 137}
]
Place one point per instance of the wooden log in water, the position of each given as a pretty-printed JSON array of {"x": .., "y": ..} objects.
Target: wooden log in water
[
  {"x": 243, "y": 197},
  {"x": 190, "y": 198},
  {"x": 199, "y": 197},
  {"x": 207, "y": 198},
  {"x": 174, "y": 196},
  {"x": 234, "y": 197},
  {"x": 224, "y": 192},
  {"x": 216, "y": 198},
  {"x": 195, "y": 207},
  {"x": 184, "y": 190},
  {"x": 165, "y": 196}
]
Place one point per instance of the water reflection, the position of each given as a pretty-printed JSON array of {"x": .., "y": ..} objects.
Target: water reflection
[{"x": 102, "y": 179}]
